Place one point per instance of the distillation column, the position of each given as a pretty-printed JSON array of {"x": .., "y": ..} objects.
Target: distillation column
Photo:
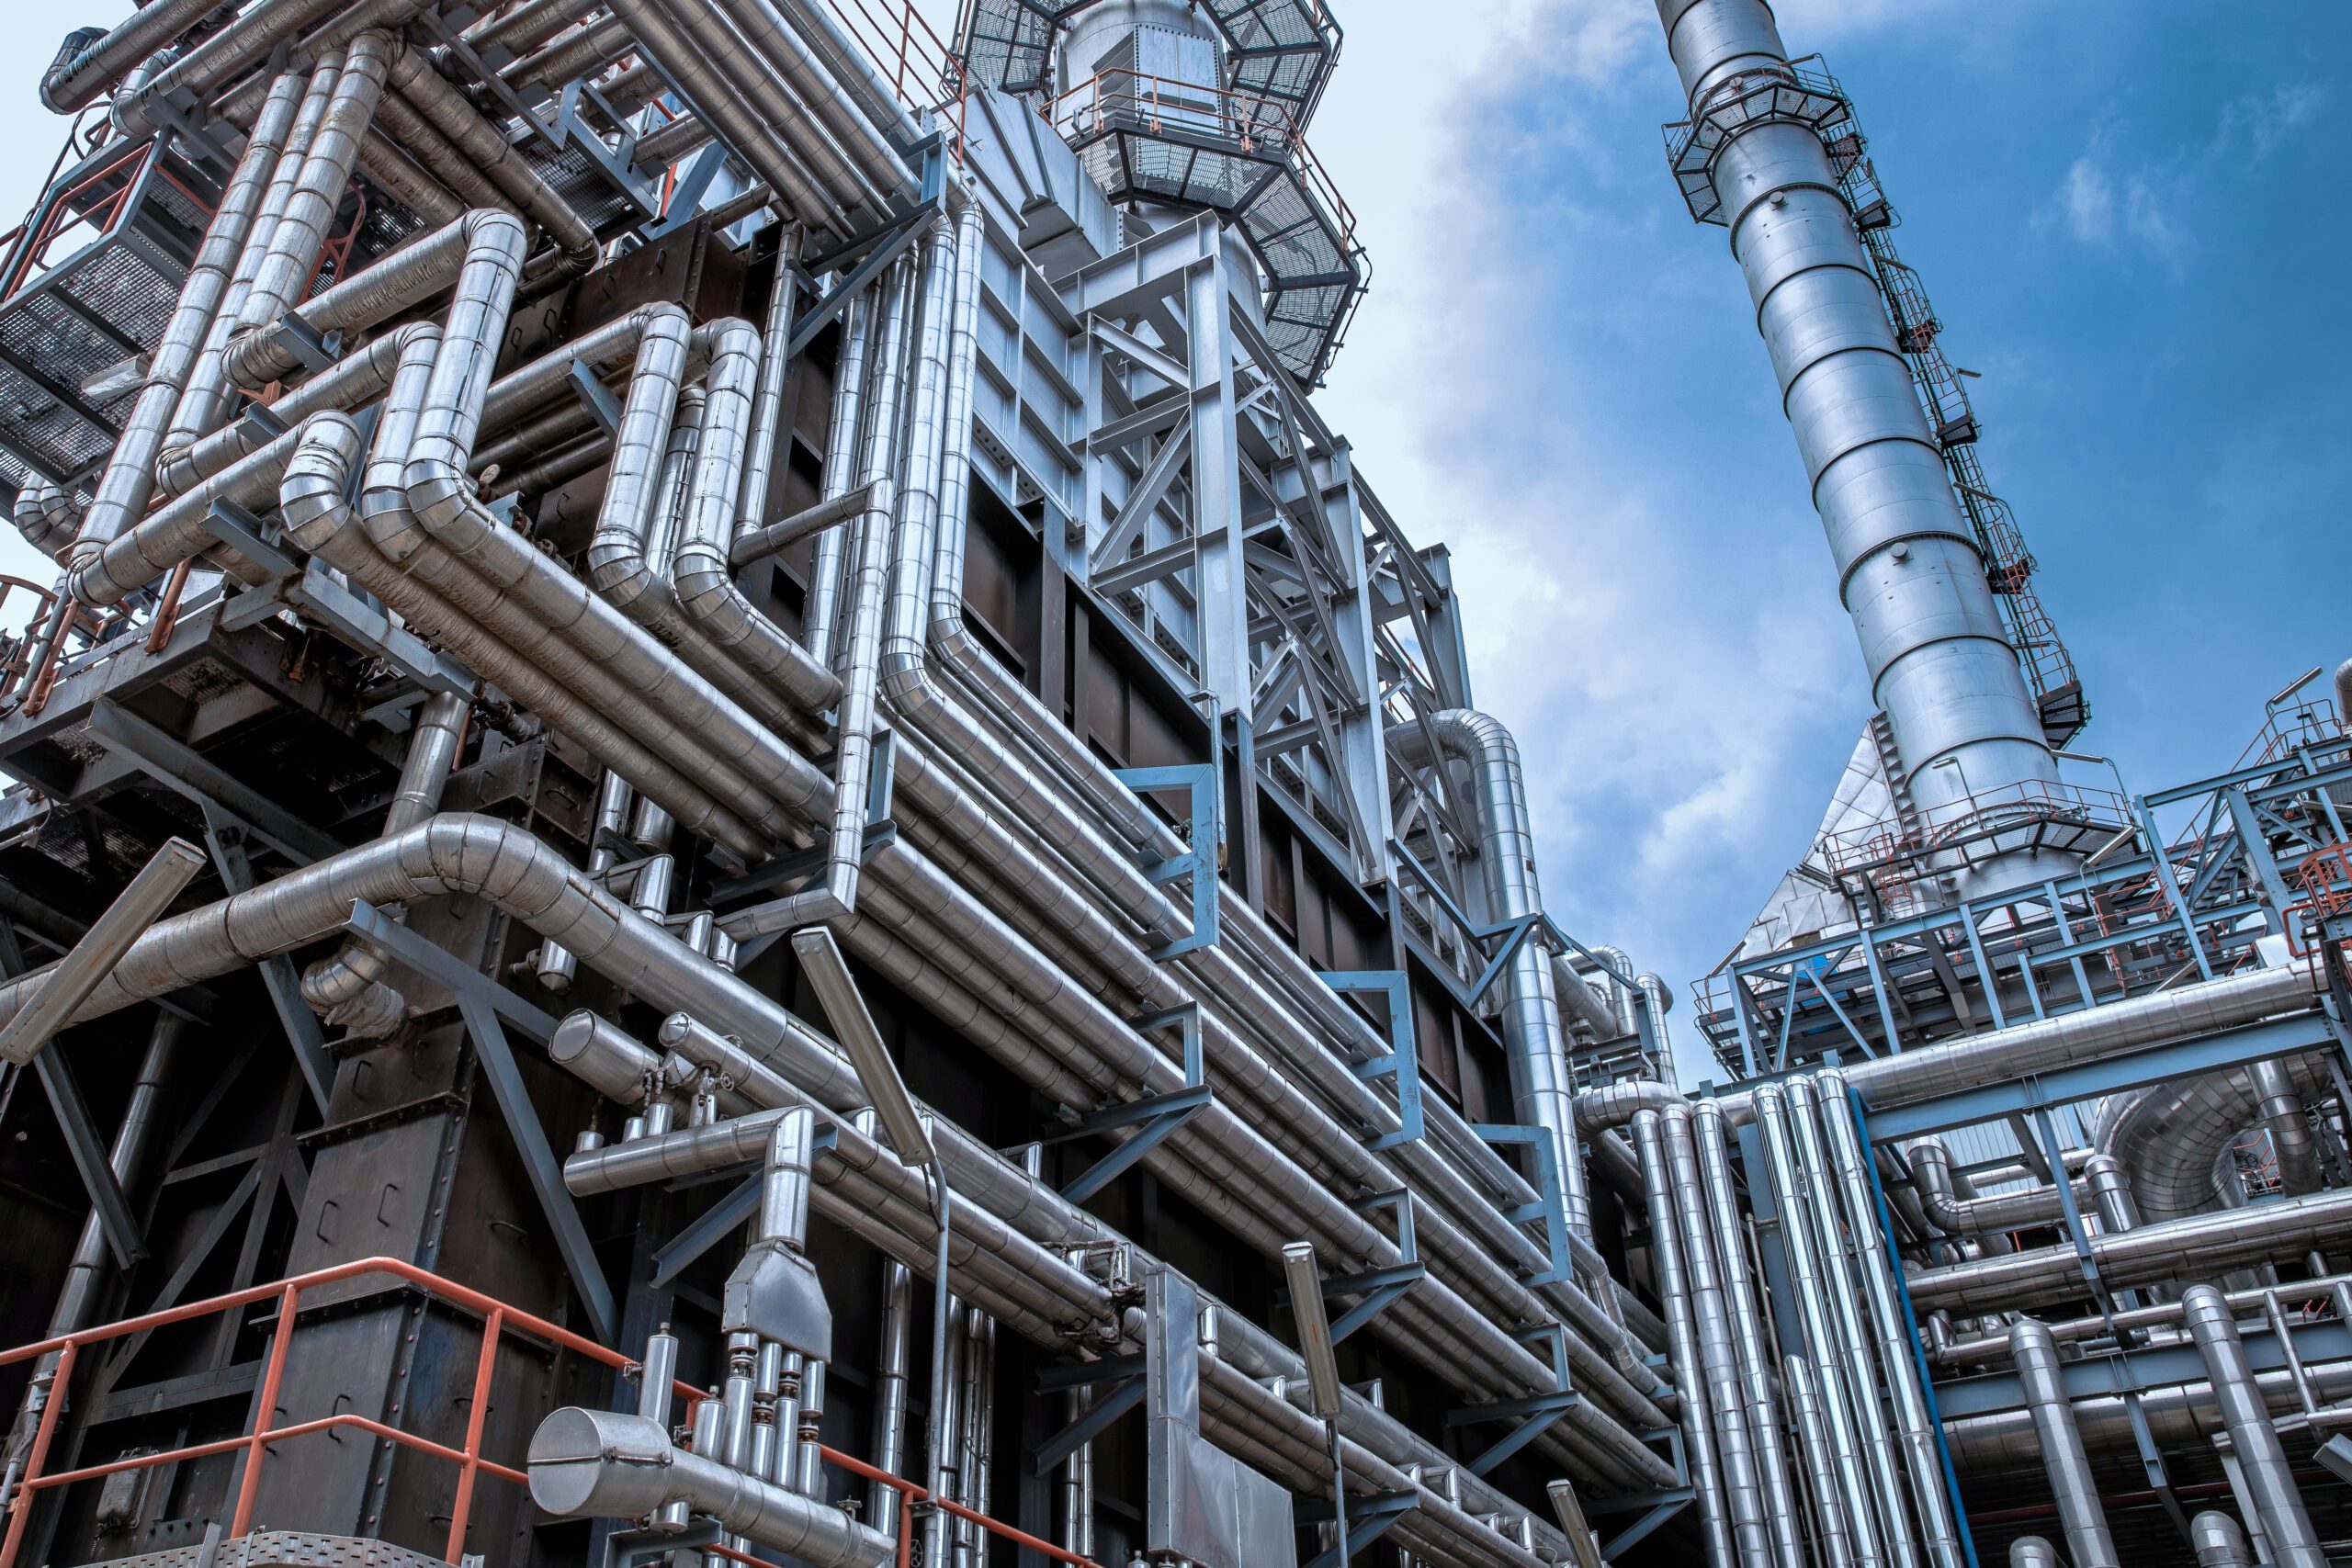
[{"x": 1909, "y": 571}]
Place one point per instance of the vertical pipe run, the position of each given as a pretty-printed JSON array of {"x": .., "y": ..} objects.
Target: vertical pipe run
[
  {"x": 129, "y": 479},
  {"x": 1690, "y": 1384},
  {"x": 2246, "y": 1419},
  {"x": 1813, "y": 1318},
  {"x": 892, "y": 1362},
  {"x": 1820, "y": 1463},
  {"x": 2063, "y": 1459},
  {"x": 1765, "y": 1428},
  {"x": 1717, "y": 1356},
  {"x": 1855, "y": 1360},
  {"x": 1923, "y": 1462}
]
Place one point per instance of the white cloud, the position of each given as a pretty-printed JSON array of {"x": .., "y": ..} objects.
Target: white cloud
[{"x": 2086, "y": 202}]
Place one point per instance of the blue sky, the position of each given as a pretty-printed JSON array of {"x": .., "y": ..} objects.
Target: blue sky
[
  {"x": 2120, "y": 211},
  {"x": 2129, "y": 220}
]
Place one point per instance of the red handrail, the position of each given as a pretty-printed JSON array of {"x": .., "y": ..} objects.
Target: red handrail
[{"x": 498, "y": 1320}]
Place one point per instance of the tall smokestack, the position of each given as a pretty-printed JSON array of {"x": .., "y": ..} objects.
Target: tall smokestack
[{"x": 1908, "y": 568}]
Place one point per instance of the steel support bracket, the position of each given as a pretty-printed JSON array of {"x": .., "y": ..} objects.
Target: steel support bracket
[
  {"x": 1369, "y": 1519},
  {"x": 225, "y": 837},
  {"x": 1551, "y": 1208},
  {"x": 1656, "y": 1508},
  {"x": 317, "y": 351},
  {"x": 1206, "y": 835},
  {"x": 1403, "y": 1062},
  {"x": 679, "y": 1254},
  {"x": 1119, "y": 1387},
  {"x": 1534, "y": 1415},
  {"x": 593, "y": 396},
  {"x": 1154, "y": 1116}
]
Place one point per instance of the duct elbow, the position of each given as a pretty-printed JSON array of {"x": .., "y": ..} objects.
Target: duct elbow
[
  {"x": 2343, "y": 699},
  {"x": 310, "y": 496}
]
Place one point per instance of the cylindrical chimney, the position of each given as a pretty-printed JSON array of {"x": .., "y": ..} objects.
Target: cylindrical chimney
[{"x": 1908, "y": 568}]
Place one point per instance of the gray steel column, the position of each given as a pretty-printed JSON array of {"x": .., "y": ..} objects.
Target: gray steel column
[
  {"x": 2247, "y": 1420},
  {"x": 2071, "y": 1482},
  {"x": 1690, "y": 1385},
  {"x": 1718, "y": 1357},
  {"x": 1909, "y": 573},
  {"x": 1813, "y": 1318},
  {"x": 1747, "y": 1334}
]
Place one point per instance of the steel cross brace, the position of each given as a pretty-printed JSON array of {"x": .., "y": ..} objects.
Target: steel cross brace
[
  {"x": 487, "y": 1007},
  {"x": 225, "y": 837},
  {"x": 1369, "y": 1519},
  {"x": 1658, "y": 1507},
  {"x": 91, "y": 1158},
  {"x": 1154, "y": 1116},
  {"x": 1120, "y": 1384},
  {"x": 1403, "y": 1062},
  {"x": 1207, "y": 837}
]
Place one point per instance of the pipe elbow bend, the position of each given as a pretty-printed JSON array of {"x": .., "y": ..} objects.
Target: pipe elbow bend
[{"x": 309, "y": 496}]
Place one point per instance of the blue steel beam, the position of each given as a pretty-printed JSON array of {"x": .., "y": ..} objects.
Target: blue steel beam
[
  {"x": 2186, "y": 1058},
  {"x": 2093, "y": 1376}
]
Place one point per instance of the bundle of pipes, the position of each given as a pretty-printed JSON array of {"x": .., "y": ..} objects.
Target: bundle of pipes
[{"x": 691, "y": 724}]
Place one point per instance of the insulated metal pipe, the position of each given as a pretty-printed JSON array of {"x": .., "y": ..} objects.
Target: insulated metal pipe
[
  {"x": 1765, "y": 1429},
  {"x": 1743, "y": 1488},
  {"x": 1692, "y": 1384},
  {"x": 2032, "y": 1552},
  {"x": 2206, "y": 1244},
  {"x": 605, "y": 1464},
  {"x": 1543, "y": 1091},
  {"x": 891, "y": 1362},
  {"x": 1802, "y": 1248},
  {"x": 1855, "y": 1362},
  {"x": 2071, "y": 1482},
  {"x": 2263, "y": 1462},
  {"x": 1915, "y": 1429},
  {"x": 1820, "y": 1463},
  {"x": 301, "y": 234},
  {"x": 1909, "y": 570},
  {"x": 128, "y": 479},
  {"x": 2218, "y": 1541},
  {"x": 841, "y": 470}
]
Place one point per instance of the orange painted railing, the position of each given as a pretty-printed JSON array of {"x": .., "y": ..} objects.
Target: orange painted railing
[{"x": 498, "y": 1320}]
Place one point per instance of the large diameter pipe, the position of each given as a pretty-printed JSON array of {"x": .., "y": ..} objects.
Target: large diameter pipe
[
  {"x": 1909, "y": 571},
  {"x": 1814, "y": 1321},
  {"x": 1743, "y": 1486},
  {"x": 1692, "y": 1385},
  {"x": 1820, "y": 1463},
  {"x": 1543, "y": 1091},
  {"x": 129, "y": 479},
  {"x": 2069, "y": 1468},
  {"x": 605, "y": 1464},
  {"x": 75, "y": 81},
  {"x": 52, "y": 997},
  {"x": 2268, "y": 1482},
  {"x": 2218, "y": 1541},
  {"x": 2207, "y": 1243}
]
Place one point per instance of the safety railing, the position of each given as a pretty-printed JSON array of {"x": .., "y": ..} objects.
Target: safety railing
[
  {"x": 920, "y": 66},
  {"x": 498, "y": 1320},
  {"x": 53, "y": 1377},
  {"x": 1255, "y": 124}
]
